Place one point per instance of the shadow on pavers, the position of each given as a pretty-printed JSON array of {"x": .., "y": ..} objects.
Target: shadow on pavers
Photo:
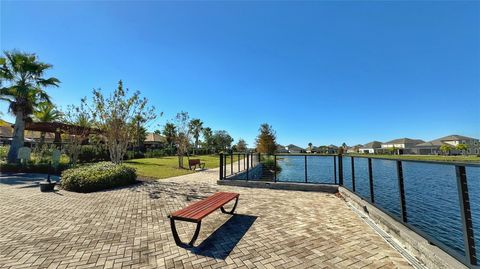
[
  {"x": 24, "y": 178},
  {"x": 220, "y": 243}
]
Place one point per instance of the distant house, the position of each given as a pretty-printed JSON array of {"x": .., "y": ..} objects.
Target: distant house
[
  {"x": 154, "y": 140},
  {"x": 402, "y": 145},
  {"x": 332, "y": 149},
  {"x": 371, "y": 148},
  {"x": 320, "y": 149},
  {"x": 354, "y": 149},
  {"x": 309, "y": 149},
  {"x": 281, "y": 149},
  {"x": 294, "y": 149},
  {"x": 433, "y": 147}
]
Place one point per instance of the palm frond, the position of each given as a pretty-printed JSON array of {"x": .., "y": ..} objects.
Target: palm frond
[{"x": 48, "y": 82}]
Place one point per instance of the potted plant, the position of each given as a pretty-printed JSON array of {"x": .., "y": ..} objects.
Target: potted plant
[{"x": 48, "y": 185}]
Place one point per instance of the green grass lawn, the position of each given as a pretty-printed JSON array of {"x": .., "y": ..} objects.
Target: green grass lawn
[
  {"x": 435, "y": 158},
  {"x": 165, "y": 167}
]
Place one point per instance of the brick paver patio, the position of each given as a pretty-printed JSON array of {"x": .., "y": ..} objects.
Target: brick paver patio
[{"x": 129, "y": 228}]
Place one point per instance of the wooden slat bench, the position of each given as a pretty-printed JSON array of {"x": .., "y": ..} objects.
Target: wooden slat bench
[
  {"x": 194, "y": 163},
  {"x": 199, "y": 210}
]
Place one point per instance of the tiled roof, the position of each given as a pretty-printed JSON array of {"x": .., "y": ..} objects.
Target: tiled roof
[
  {"x": 373, "y": 144},
  {"x": 405, "y": 141},
  {"x": 454, "y": 138}
]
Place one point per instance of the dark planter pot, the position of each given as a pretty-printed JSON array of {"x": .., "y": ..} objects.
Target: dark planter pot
[{"x": 47, "y": 186}]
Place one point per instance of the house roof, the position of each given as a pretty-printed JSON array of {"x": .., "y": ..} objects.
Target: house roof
[
  {"x": 373, "y": 145},
  {"x": 292, "y": 146},
  {"x": 405, "y": 141},
  {"x": 433, "y": 143},
  {"x": 281, "y": 149},
  {"x": 439, "y": 141},
  {"x": 454, "y": 138},
  {"x": 153, "y": 137}
]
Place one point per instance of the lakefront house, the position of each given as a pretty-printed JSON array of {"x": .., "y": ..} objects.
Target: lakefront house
[
  {"x": 294, "y": 149},
  {"x": 433, "y": 147},
  {"x": 402, "y": 145},
  {"x": 371, "y": 147}
]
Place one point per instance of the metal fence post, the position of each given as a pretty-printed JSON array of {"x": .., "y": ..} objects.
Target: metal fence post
[
  {"x": 401, "y": 191},
  {"x": 248, "y": 155},
  {"x": 370, "y": 179},
  {"x": 353, "y": 174},
  {"x": 225, "y": 164},
  {"x": 238, "y": 163},
  {"x": 244, "y": 160},
  {"x": 335, "y": 169},
  {"x": 231, "y": 163},
  {"x": 464, "y": 199},
  {"x": 221, "y": 166},
  {"x": 340, "y": 169},
  {"x": 275, "y": 168},
  {"x": 306, "y": 176}
]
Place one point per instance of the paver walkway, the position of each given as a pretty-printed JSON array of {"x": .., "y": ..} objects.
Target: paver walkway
[{"x": 129, "y": 228}]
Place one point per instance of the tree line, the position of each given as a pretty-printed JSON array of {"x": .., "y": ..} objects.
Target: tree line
[{"x": 117, "y": 121}]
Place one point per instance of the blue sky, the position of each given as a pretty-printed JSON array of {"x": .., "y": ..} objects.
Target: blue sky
[{"x": 320, "y": 72}]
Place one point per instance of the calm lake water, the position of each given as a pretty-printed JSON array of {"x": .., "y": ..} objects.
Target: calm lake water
[{"x": 430, "y": 189}]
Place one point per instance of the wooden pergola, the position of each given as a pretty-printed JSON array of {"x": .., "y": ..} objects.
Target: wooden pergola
[{"x": 59, "y": 128}]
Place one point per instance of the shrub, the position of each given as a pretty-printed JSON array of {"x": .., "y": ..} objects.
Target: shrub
[
  {"x": 155, "y": 153},
  {"x": 133, "y": 155},
  {"x": 42, "y": 154},
  {"x": 269, "y": 163},
  {"x": 93, "y": 153},
  {"x": 96, "y": 177},
  {"x": 3, "y": 152}
]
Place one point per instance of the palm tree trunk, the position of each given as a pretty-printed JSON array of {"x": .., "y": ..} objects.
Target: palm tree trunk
[
  {"x": 18, "y": 137},
  {"x": 196, "y": 146}
]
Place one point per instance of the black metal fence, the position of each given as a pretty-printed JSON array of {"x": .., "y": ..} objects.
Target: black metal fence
[
  {"x": 340, "y": 166},
  {"x": 232, "y": 164},
  {"x": 470, "y": 257}
]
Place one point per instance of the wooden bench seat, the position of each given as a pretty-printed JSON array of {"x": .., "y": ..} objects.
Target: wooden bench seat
[
  {"x": 194, "y": 162},
  {"x": 199, "y": 210}
]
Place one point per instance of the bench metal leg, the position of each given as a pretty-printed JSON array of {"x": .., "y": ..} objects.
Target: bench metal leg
[
  {"x": 231, "y": 212},
  {"x": 177, "y": 239}
]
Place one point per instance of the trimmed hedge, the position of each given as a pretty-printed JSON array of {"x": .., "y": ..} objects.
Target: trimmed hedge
[
  {"x": 93, "y": 153},
  {"x": 96, "y": 177},
  {"x": 32, "y": 168}
]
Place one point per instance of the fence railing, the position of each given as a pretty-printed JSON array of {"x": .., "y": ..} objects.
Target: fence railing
[
  {"x": 338, "y": 165},
  {"x": 232, "y": 164}
]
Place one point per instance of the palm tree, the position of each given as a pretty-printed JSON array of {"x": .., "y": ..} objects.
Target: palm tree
[
  {"x": 24, "y": 75},
  {"x": 170, "y": 132},
  {"x": 196, "y": 127},
  {"x": 207, "y": 138},
  {"x": 46, "y": 112}
]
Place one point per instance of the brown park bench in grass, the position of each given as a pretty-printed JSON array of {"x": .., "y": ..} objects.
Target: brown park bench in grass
[
  {"x": 194, "y": 163},
  {"x": 199, "y": 210}
]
